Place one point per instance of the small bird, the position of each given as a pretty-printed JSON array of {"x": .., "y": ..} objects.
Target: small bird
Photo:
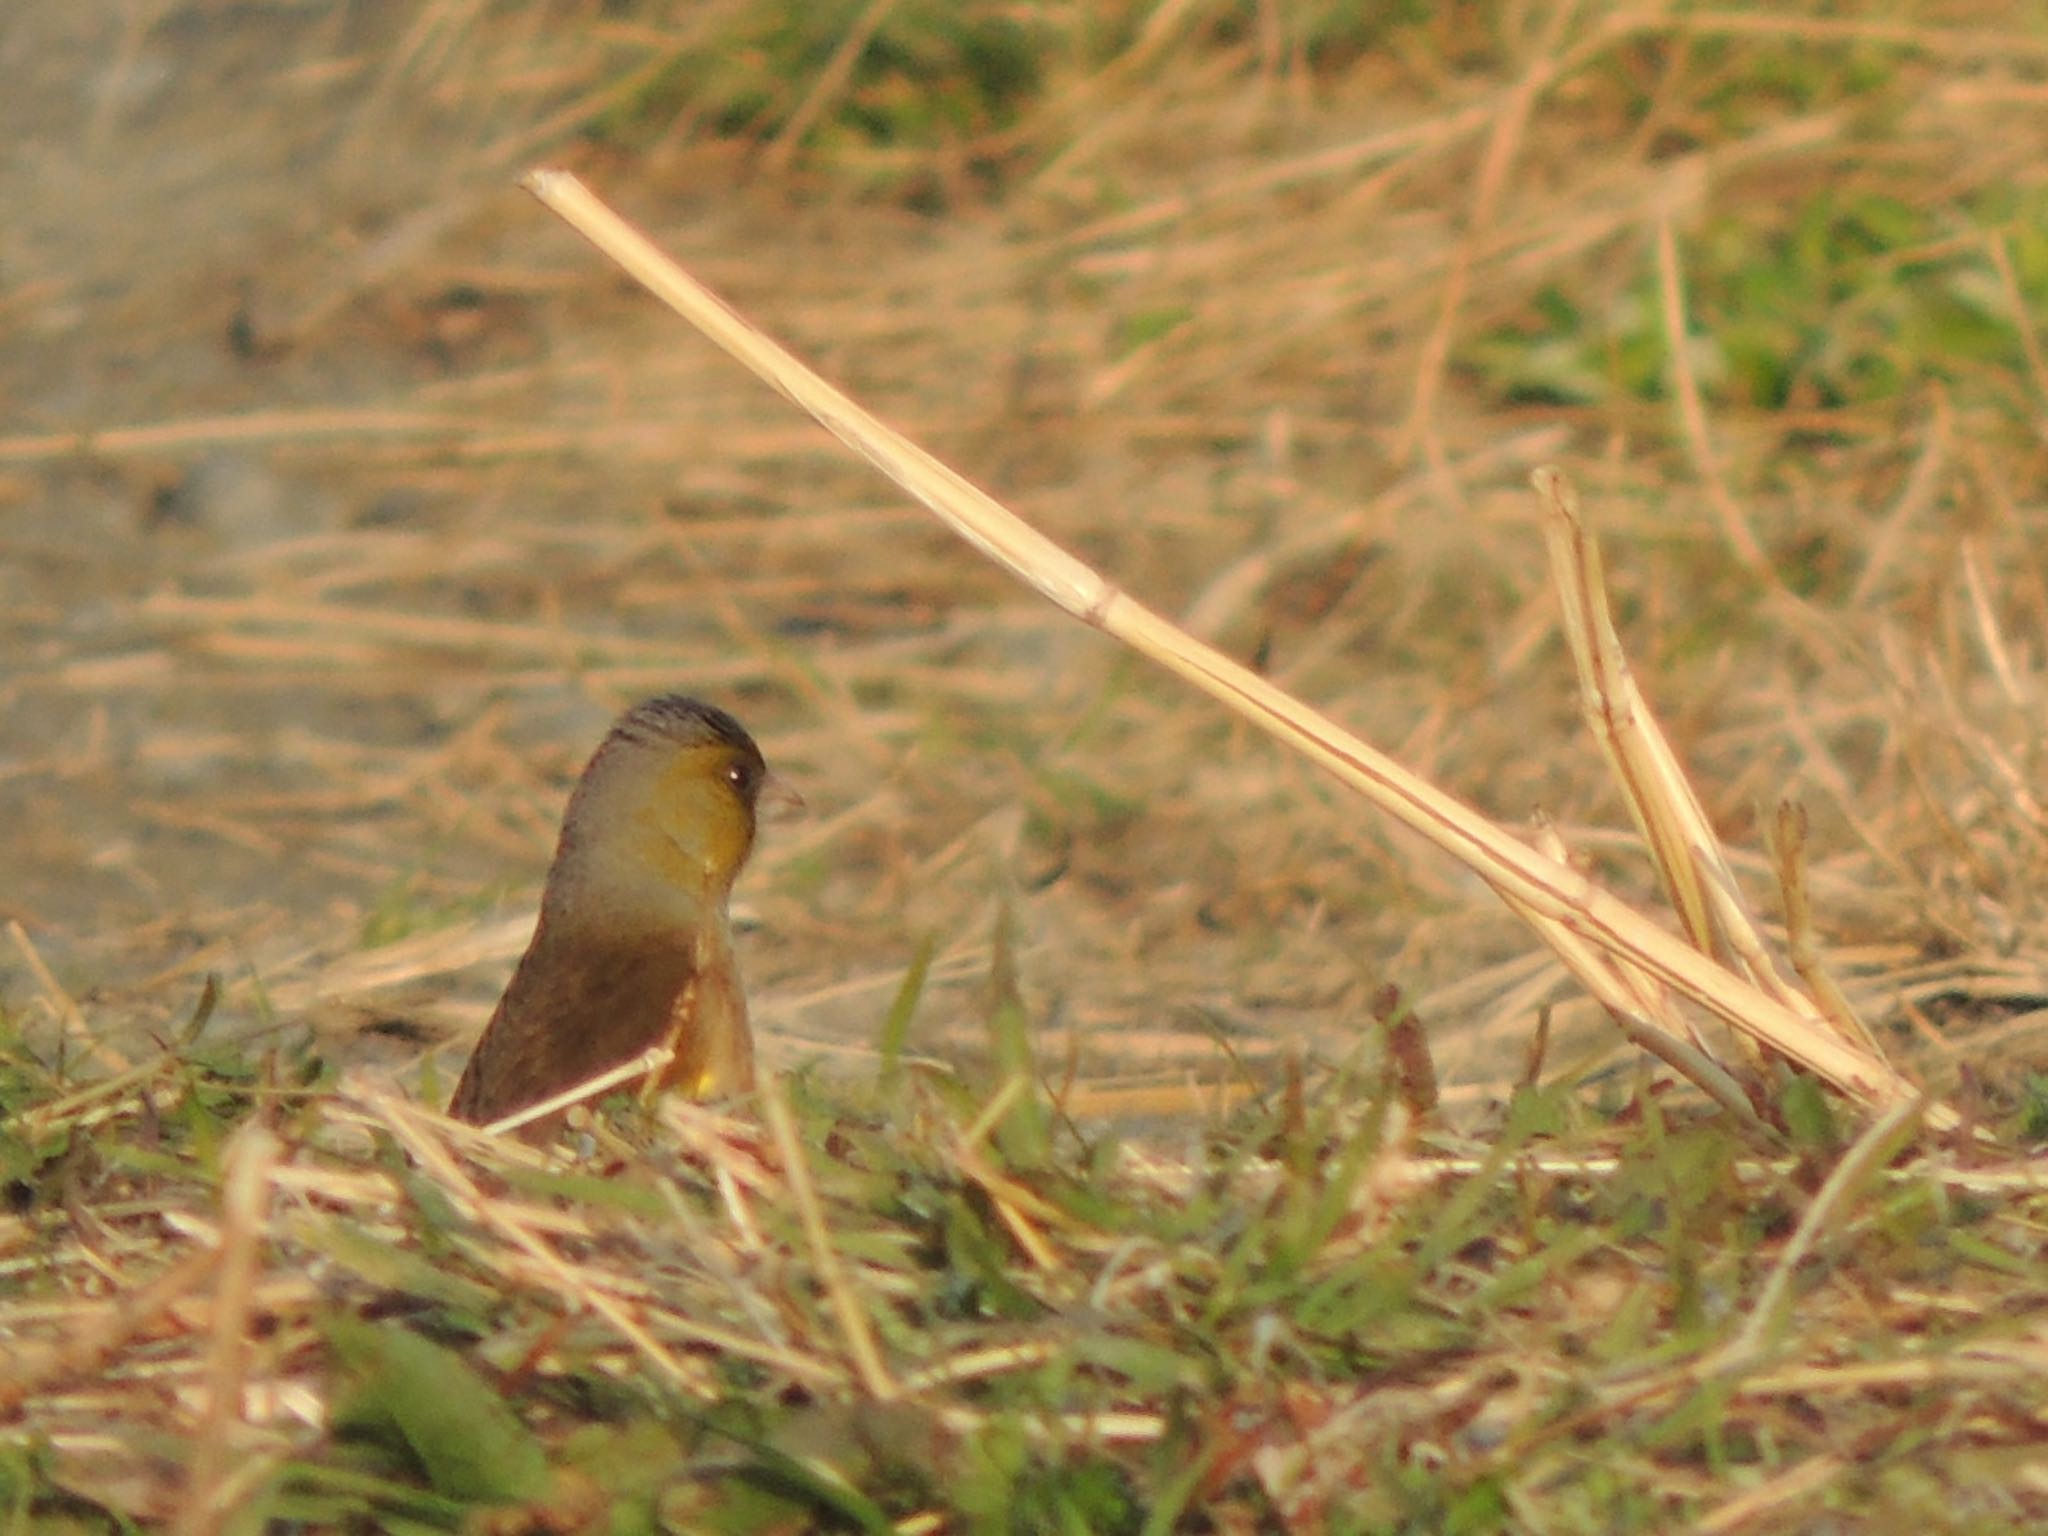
[{"x": 633, "y": 948}]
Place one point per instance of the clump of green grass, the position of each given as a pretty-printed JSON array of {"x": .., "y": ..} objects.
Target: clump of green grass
[
  {"x": 916, "y": 79},
  {"x": 1848, "y": 300}
]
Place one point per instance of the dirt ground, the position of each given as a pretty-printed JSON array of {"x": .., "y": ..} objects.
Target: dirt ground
[{"x": 344, "y": 497}]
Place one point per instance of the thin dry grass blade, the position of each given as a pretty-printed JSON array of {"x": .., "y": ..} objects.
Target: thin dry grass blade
[
  {"x": 245, "y": 1198},
  {"x": 1789, "y": 848},
  {"x": 1750, "y": 1508},
  {"x": 825, "y": 89},
  {"x": 1534, "y": 883},
  {"x": 61, "y": 1002},
  {"x": 1012, "y": 1203},
  {"x": 1997, "y": 654},
  {"x": 1693, "y": 412},
  {"x": 861, "y": 1347},
  {"x": 649, "y": 1061},
  {"x": 1771, "y": 1312}
]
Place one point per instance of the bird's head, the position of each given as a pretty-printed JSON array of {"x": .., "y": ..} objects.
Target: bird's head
[{"x": 663, "y": 818}]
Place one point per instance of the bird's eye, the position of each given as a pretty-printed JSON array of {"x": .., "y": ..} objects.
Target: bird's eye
[{"x": 736, "y": 775}]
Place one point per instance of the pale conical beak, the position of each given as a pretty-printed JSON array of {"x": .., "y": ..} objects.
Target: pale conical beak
[{"x": 777, "y": 800}]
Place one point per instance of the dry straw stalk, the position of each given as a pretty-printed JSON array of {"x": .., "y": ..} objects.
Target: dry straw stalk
[{"x": 1622, "y": 957}]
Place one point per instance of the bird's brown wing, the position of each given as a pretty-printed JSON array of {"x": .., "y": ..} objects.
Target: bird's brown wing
[{"x": 575, "y": 1009}]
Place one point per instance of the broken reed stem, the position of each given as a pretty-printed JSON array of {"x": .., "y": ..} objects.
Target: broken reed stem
[
  {"x": 1671, "y": 820},
  {"x": 1531, "y": 882},
  {"x": 1632, "y": 1003},
  {"x": 1697, "y": 877}
]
